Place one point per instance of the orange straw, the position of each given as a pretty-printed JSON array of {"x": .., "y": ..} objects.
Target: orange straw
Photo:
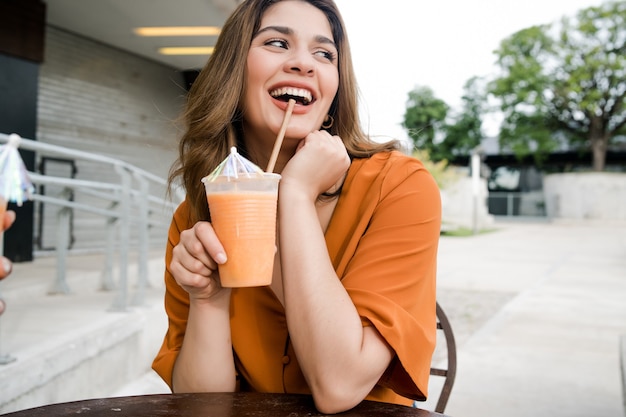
[{"x": 280, "y": 137}]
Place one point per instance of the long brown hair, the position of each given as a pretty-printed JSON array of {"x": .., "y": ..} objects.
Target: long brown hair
[{"x": 212, "y": 119}]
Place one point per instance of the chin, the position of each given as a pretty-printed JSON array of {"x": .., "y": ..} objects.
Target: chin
[
  {"x": 299, "y": 133},
  {"x": 305, "y": 128}
]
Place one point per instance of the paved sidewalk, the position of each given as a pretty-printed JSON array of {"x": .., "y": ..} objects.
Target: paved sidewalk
[{"x": 537, "y": 310}]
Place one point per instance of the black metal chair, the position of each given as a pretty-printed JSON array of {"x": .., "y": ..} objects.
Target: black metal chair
[{"x": 449, "y": 372}]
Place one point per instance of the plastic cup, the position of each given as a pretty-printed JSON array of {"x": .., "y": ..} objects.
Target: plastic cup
[{"x": 243, "y": 214}]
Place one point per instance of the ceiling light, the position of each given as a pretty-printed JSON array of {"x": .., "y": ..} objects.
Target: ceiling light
[
  {"x": 178, "y": 31},
  {"x": 187, "y": 50}
]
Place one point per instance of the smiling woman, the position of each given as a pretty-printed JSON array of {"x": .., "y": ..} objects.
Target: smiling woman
[
  {"x": 350, "y": 312},
  {"x": 288, "y": 58}
]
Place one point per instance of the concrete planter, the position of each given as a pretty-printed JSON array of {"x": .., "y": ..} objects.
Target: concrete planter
[
  {"x": 586, "y": 195},
  {"x": 457, "y": 201}
]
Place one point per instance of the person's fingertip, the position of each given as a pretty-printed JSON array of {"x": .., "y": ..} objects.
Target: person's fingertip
[
  {"x": 11, "y": 215},
  {"x": 220, "y": 258},
  {"x": 7, "y": 266}
]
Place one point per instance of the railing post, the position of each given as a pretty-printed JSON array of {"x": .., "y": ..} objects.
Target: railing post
[
  {"x": 63, "y": 242},
  {"x": 121, "y": 301},
  {"x": 108, "y": 284},
  {"x": 143, "y": 225}
]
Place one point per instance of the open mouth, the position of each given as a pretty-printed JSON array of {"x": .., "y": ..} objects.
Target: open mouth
[{"x": 300, "y": 95}]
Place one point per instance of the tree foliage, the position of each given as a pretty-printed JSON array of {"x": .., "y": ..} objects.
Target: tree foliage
[
  {"x": 435, "y": 130},
  {"x": 565, "y": 84},
  {"x": 424, "y": 119},
  {"x": 465, "y": 132}
]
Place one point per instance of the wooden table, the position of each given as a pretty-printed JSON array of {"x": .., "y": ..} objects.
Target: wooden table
[{"x": 213, "y": 405}]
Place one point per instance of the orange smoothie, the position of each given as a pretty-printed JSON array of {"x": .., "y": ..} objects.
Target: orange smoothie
[{"x": 245, "y": 223}]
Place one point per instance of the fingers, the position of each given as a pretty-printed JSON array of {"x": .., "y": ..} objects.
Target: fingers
[
  {"x": 9, "y": 218},
  {"x": 5, "y": 267},
  {"x": 333, "y": 145},
  {"x": 184, "y": 261},
  {"x": 320, "y": 162},
  {"x": 203, "y": 243},
  {"x": 195, "y": 258},
  {"x": 205, "y": 233}
]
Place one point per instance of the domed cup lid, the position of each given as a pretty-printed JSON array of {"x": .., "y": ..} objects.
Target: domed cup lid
[{"x": 234, "y": 168}]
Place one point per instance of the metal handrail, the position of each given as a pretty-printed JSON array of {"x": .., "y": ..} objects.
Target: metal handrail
[
  {"x": 55, "y": 150},
  {"x": 129, "y": 202}
]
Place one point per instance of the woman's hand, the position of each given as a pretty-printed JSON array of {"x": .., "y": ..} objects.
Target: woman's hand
[
  {"x": 6, "y": 265},
  {"x": 195, "y": 259},
  {"x": 319, "y": 164},
  {"x": 205, "y": 362}
]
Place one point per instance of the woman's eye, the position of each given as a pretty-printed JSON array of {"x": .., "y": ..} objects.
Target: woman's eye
[
  {"x": 330, "y": 56},
  {"x": 279, "y": 43}
]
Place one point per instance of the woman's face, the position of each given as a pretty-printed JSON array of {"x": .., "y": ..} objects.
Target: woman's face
[{"x": 293, "y": 55}]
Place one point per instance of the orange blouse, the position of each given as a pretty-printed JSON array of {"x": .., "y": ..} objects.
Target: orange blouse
[{"x": 382, "y": 240}]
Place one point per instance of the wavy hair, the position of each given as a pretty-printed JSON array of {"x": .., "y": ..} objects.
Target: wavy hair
[{"x": 212, "y": 118}]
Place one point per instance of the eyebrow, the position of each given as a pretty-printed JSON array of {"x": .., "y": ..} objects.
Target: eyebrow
[{"x": 288, "y": 31}]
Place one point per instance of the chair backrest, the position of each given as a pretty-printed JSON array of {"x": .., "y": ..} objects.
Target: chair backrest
[{"x": 449, "y": 372}]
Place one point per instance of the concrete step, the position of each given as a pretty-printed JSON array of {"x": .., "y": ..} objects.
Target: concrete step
[{"x": 68, "y": 347}]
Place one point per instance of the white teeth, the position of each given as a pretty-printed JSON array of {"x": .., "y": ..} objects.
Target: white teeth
[{"x": 306, "y": 95}]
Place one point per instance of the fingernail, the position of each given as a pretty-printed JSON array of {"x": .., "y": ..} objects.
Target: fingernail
[
  {"x": 7, "y": 266},
  {"x": 220, "y": 258}
]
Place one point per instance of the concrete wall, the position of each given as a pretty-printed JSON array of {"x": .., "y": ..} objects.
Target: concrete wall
[
  {"x": 457, "y": 201},
  {"x": 99, "y": 99},
  {"x": 589, "y": 195}
]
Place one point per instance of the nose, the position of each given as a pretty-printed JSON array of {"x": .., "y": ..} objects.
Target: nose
[{"x": 301, "y": 61}]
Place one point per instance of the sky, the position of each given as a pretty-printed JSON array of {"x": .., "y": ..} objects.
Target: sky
[{"x": 399, "y": 44}]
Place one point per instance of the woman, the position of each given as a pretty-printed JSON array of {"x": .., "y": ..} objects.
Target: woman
[{"x": 350, "y": 313}]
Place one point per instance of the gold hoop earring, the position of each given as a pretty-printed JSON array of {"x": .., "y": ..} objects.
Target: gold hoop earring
[{"x": 328, "y": 122}]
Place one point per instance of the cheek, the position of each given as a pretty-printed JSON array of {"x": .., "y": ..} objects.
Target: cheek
[
  {"x": 329, "y": 95},
  {"x": 255, "y": 73},
  {"x": 254, "y": 87},
  {"x": 331, "y": 85}
]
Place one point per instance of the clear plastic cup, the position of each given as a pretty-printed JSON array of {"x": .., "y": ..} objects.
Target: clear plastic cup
[{"x": 243, "y": 214}]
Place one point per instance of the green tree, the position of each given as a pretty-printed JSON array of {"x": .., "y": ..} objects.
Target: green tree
[
  {"x": 465, "y": 132},
  {"x": 445, "y": 136},
  {"x": 565, "y": 84},
  {"x": 424, "y": 120}
]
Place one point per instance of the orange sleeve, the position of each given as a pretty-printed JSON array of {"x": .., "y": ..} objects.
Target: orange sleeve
[
  {"x": 391, "y": 273},
  {"x": 176, "y": 302}
]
